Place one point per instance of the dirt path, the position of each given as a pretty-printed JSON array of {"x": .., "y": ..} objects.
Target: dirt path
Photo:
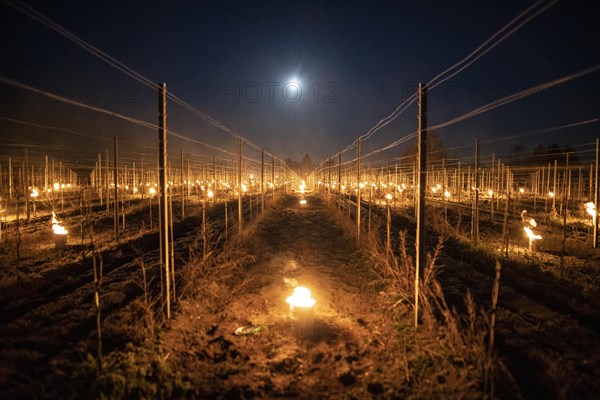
[
  {"x": 300, "y": 246},
  {"x": 357, "y": 347}
]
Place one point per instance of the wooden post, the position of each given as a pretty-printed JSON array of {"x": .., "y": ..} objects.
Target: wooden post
[
  {"x": 596, "y": 199},
  {"x": 459, "y": 184},
  {"x": 370, "y": 199},
  {"x": 249, "y": 197},
  {"x": 591, "y": 191},
  {"x": 499, "y": 184},
  {"x": 580, "y": 184},
  {"x": 358, "y": 194},
  {"x": 97, "y": 284},
  {"x": 226, "y": 220},
  {"x": 444, "y": 189},
  {"x": 62, "y": 191},
  {"x": 106, "y": 178},
  {"x": 493, "y": 189},
  {"x": 46, "y": 174},
  {"x": 329, "y": 178},
  {"x": 475, "y": 218},
  {"x": 99, "y": 184},
  {"x": 134, "y": 182},
  {"x": 566, "y": 201},
  {"x": 554, "y": 188},
  {"x": 188, "y": 177},
  {"x": 172, "y": 243},
  {"x": 10, "y": 178},
  {"x": 505, "y": 225},
  {"x": 489, "y": 379},
  {"x": 340, "y": 180},
  {"x": 420, "y": 211},
  {"x": 163, "y": 201},
  {"x": 262, "y": 180},
  {"x": 240, "y": 184},
  {"x": 116, "y": 191},
  {"x": 388, "y": 225},
  {"x": 182, "y": 188},
  {"x": 204, "y": 244},
  {"x": 26, "y": 186},
  {"x": 214, "y": 180}
]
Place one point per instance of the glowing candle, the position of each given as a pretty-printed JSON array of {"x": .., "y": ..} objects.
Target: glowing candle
[{"x": 302, "y": 306}]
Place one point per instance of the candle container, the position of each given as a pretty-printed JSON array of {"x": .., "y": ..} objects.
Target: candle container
[
  {"x": 60, "y": 241},
  {"x": 302, "y": 309},
  {"x": 303, "y": 315}
]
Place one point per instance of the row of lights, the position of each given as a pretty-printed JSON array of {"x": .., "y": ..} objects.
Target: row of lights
[{"x": 34, "y": 191}]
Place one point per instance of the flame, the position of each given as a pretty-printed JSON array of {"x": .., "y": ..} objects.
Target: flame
[
  {"x": 532, "y": 222},
  {"x": 303, "y": 201},
  {"x": 152, "y": 191},
  {"x": 56, "y": 227},
  {"x": 301, "y": 298},
  {"x": 59, "y": 230},
  {"x": 388, "y": 196},
  {"x": 34, "y": 192},
  {"x": 530, "y": 234},
  {"x": 210, "y": 193},
  {"x": 528, "y": 220},
  {"x": 590, "y": 207},
  {"x": 447, "y": 194}
]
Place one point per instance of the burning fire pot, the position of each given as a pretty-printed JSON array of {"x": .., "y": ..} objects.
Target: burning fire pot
[
  {"x": 60, "y": 233},
  {"x": 60, "y": 241},
  {"x": 302, "y": 308}
]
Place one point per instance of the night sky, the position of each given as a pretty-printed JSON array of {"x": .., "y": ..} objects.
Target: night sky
[{"x": 354, "y": 62}]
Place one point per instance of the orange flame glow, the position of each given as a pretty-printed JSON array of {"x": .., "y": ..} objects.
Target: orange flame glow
[
  {"x": 590, "y": 207},
  {"x": 530, "y": 234},
  {"x": 301, "y": 298},
  {"x": 56, "y": 227}
]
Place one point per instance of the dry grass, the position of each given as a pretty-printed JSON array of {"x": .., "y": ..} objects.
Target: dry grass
[
  {"x": 223, "y": 265},
  {"x": 453, "y": 345}
]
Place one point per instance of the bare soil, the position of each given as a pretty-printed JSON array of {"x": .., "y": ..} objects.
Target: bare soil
[
  {"x": 359, "y": 346},
  {"x": 548, "y": 317}
]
